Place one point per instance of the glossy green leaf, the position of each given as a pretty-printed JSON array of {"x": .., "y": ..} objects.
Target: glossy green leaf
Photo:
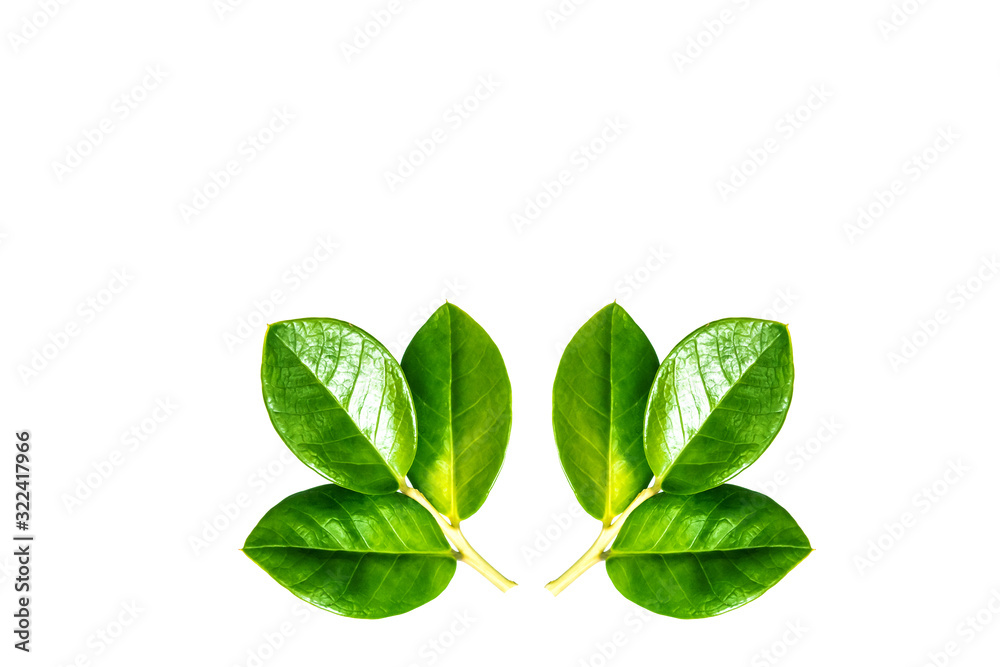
[
  {"x": 340, "y": 402},
  {"x": 717, "y": 402},
  {"x": 597, "y": 402},
  {"x": 353, "y": 554},
  {"x": 462, "y": 396},
  {"x": 701, "y": 555}
]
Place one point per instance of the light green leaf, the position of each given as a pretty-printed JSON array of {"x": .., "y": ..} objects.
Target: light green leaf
[
  {"x": 340, "y": 402},
  {"x": 701, "y": 555},
  {"x": 717, "y": 402},
  {"x": 463, "y": 403},
  {"x": 353, "y": 554},
  {"x": 597, "y": 409}
]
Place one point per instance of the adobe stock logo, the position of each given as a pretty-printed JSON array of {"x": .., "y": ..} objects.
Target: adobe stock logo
[
  {"x": 453, "y": 118},
  {"x": 87, "y": 311},
  {"x": 32, "y": 24},
  {"x": 780, "y": 647},
  {"x": 922, "y": 502},
  {"x": 966, "y": 632},
  {"x": 633, "y": 281},
  {"x": 583, "y": 157},
  {"x": 366, "y": 33},
  {"x": 899, "y": 16},
  {"x": 223, "y": 8},
  {"x": 131, "y": 441},
  {"x": 957, "y": 298},
  {"x": 250, "y": 148},
  {"x": 786, "y": 128},
  {"x": 77, "y": 152},
  {"x": 712, "y": 29},
  {"x": 562, "y": 12},
  {"x": 264, "y": 307},
  {"x": 913, "y": 169}
]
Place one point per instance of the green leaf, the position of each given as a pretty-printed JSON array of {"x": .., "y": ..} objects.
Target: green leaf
[
  {"x": 353, "y": 554},
  {"x": 340, "y": 402},
  {"x": 597, "y": 401},
  {"x": 463, "y": 402},
  {"x": 717, "y": 402},
  {"x": 701, "y": 555}
]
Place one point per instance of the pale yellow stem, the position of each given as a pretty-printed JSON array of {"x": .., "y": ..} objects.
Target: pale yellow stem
[
  {"x": 466, "y": 553},
  {"x": 596, "y": 551}
]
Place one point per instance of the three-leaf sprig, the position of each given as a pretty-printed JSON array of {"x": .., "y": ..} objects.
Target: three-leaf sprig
[
  {"x": 646, "y": 447},
  {"x": 370, "y": 545}
]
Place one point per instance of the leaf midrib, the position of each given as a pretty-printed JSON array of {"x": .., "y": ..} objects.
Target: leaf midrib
[
  {"x": 618, "y": 552},
  {"x": 446, "y": 552},
  {"x": 608, "y": 513},
  {"x": 340, "y": 405},
  {"x": 721, "y": 400},
  {"x": 453, "y": 515}
]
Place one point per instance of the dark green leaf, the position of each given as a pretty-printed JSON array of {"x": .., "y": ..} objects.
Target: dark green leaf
[
  {"x": 717, "y": 402},
  {"x": 597, "y": 401},
  {"x": 340, "y": 402},
  {"x": 463, "y": 402},
  {"x": 701, "y": 555},
  {"x": 353, "y": 554}
]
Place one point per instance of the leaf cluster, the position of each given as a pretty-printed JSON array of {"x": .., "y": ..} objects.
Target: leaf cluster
[
  {"x": 412, "y": 449},
  {"x": 647, "y": 446},
  {"x": 369, "y": 545}
]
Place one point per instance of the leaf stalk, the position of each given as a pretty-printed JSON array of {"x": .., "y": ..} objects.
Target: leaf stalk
[
  {"x": 596, "y": 552},
  {"x": 466, "y": 553}
]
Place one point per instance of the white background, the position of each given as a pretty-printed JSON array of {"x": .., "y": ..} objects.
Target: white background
[{"x": 779, "y": 246}]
